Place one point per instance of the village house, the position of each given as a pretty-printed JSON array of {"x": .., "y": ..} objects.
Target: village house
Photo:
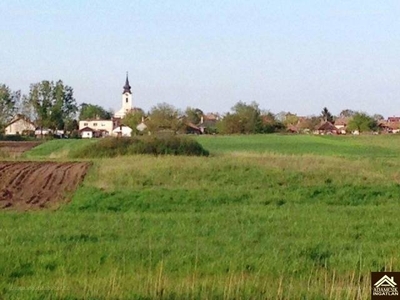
[
  {"x": 193, "y": 129},
  {"x": 292, "y": 129},
  {"x": 103, "y": 127},
  {"x": 122, "y": 130},
  {"x": 326, "y": 128},
  {"x": 40, "y": 132},
  {"x": 303, "y": 125},
  {"x": 207, "y": 122},
  {"x": 87, "y": 133},
  {"x": 19, "y": 125},
  {"x": 389, "y": 127},
  {"x": 142, "y": 126},
  {"x": 341, "y": 125},
  {"x": 393, "y": 119}
]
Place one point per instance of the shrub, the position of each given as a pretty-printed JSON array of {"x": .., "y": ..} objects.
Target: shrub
[
  {"x": 15, "y": 138},
  {"x": 75, "y": 134},
  {"x": 156, "y": 145}
]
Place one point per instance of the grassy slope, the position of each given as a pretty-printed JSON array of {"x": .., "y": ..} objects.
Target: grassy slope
[
  {"x": 56, "y": 149},
  {"x": 234, "y": 225},
  {"x": 347, "y": 146}
]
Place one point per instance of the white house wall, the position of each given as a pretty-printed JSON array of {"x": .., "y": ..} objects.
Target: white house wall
[
  {"x": 18, "y": 127},
  {"x": 98, "y": 125},
  {"x": 87, "y": 134}
]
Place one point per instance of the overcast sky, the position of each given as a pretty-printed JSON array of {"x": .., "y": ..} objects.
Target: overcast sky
[{"x": 287, "y": 55}]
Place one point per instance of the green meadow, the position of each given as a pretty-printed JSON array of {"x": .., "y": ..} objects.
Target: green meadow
[{"x": 263, "y": 217}]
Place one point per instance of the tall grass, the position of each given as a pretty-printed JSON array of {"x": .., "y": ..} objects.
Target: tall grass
[
  {"x": 4, "y": 155},
  {"x": 241, "y": 224}
]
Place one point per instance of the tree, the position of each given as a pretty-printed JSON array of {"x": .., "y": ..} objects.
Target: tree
[
  {"x": 362, "y": 122},
  {"x": 164, "y": 117},
  {"x": 247, "y": 119},
  {"x": 71, "y": 125},
  {"x": 243, "y": 119},
  {"x": 270, "y": 123},
  {"x": 53, "y": 103},
  {"x": 310, "y": 123},
  {"x": 26, "y": 109},
  {"x": 291, "y": 119},
  {"x": 230, "y": 124},
  {"x": 378, "y": 117},
  {"x": 347, "y": 113},
  {"x": 9, "y": 101},
  {"x": 193, "y": 115},
  {"x": 326, "y": 115},
  {"x": 133, "y": 119},
  {"x": 281, "y": 116},
  {"x": 249, "y": 116},
  {"x": 91, "y": 111}
]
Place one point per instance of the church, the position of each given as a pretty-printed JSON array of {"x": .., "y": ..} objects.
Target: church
[
  {"x": 126, "y": 106},
  {"x": 114, "y": 127}
]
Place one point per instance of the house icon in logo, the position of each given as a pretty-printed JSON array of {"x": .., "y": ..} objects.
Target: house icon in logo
[{"x": 386, "y": 281}]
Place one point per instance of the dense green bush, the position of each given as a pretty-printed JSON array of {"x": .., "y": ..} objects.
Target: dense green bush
[
  {"x": 156, "y": 145},
  {"x": 16, "y": 138}
]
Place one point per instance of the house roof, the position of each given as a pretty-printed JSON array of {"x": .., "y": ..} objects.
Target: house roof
[
  {"x": 87, "y": 129},
  {"x": 302, "y": 118},
  {"x": 141, "y": 126},
  {"x": 20, "y": 117},
  {"x": 207, "y": 123},
  {"x": 292, "y": 128},
  {"x": 119, "y": 128},
  {"x": 211, "y": 117},
  {"x": 191, "y": 125},
  {"x": 393, "y": 119},
  {"x": 98, "y": 120},
  {"x": 390, "y": 125},
  {"x": 327, "y": 126}
]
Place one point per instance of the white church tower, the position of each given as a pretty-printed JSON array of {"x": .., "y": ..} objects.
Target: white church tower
[{"x": 126, "y": 100}]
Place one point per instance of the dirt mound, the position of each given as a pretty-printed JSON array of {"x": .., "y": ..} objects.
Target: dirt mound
[
  {"x": 17, "y": 148},
  {"x": 33, "y": 185}
]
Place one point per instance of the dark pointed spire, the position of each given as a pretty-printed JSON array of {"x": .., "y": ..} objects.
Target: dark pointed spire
[{"x": 127, "y": 87}]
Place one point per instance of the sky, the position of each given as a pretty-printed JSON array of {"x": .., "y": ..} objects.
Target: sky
[{"x": 287, "y": 55}]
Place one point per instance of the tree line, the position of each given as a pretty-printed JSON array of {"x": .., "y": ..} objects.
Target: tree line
[
  {"x": 246, "y": 119},
  {"x": 50, "y": 104},
  {"x": 53, "y": 105}
]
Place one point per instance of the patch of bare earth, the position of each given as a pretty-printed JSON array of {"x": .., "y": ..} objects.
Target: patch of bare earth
[
  {"x": 35, "y": 185},
  {"x": 15, "y": 149}
]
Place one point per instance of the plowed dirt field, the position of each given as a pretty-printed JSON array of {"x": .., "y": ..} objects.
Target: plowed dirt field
[
  {"x": 30, "y": 185},
  {"x": 17, "y": 148}
]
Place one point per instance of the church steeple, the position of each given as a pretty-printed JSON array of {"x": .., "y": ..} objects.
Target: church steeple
[{"x": 127, "y": 87}]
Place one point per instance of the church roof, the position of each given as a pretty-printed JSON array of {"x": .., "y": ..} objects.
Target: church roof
[{"x": 127, "y": 87}]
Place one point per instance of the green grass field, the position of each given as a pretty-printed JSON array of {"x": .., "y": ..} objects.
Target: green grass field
[{"x": 264, "y": 217}]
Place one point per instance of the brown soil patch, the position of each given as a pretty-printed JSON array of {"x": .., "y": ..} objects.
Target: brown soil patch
[
  {"x": 35, "y": 185},
  {"x": 15, "y": 149}
]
